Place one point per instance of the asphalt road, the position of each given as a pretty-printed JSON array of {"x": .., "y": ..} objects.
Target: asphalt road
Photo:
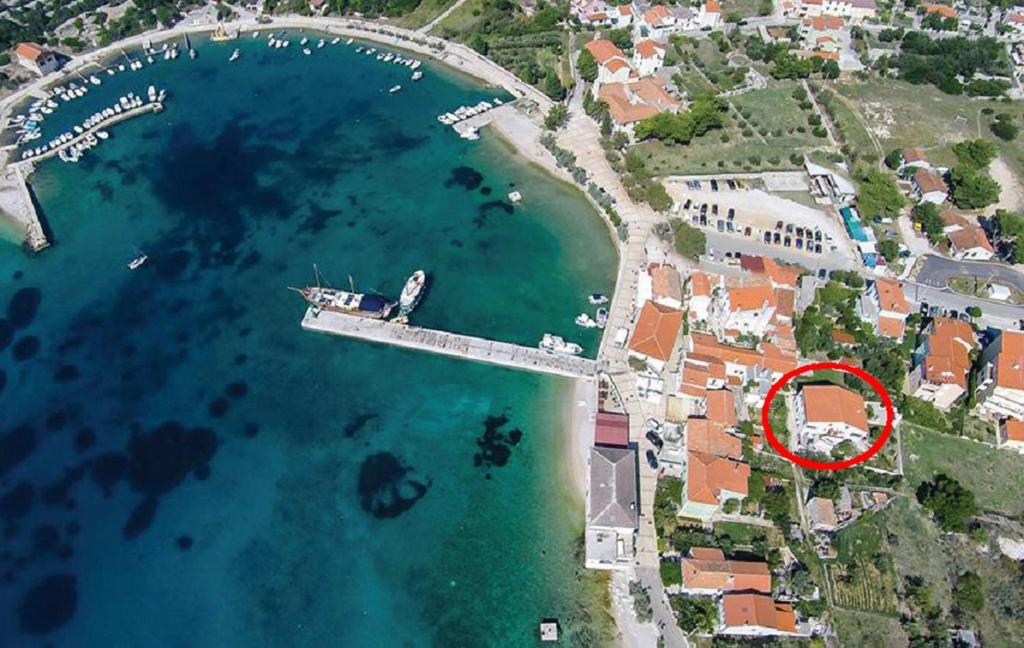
[{"x": 937, "y": 272}]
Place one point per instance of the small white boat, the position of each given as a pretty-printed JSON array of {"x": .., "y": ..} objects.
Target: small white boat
[
  {"x": 320, "y": 43},
  {"x": 417, "y": 75},
  {"x": 137, "y": 262},
  {"x": 303, "y": 41},
  {"x": 394, "y": 89},
  {"x": 307, "y": 51},
  {"x": 601, "y": 317},
  {"x": 515, "y": 197},
  {"x": 348, "y": 42},
  {"x": 234, "y": 56},
  {"x": 102, "y": 134},
  {"x": 555, "y": 344},
  {"x": 585, "y": 321},
  {"x": 597, "y": 298}
]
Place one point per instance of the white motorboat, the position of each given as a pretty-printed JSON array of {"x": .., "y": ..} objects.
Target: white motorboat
[
  {"x": 234, "y": 56},
  {"x": 412, "y": 292},
  {"x": 555, "y": 344},
  {"x": 597, "y": 298},
  {"x": 515, "y": 197},
  {"x": 135, "y": 263},
  {"x": 601, "y": 317},
  {"x": 585, "y": 321},
  {"x": 393, "y": 89}
]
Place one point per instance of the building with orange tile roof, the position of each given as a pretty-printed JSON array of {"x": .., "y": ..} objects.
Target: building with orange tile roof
[
  {"x": 655, "y": 333},
  {"x": 661, "y": 283},
  {"x": 1000, "y": 391},
  {"x": 940, "y": 377},
  {"x": 855, "y": 10},
  {"x": 636, "y": 100},
  {"x": 929, "y": 186},
  {"x": 721, "y": 408},
  {"x": 710, "y": 15},
  {"x": 709, "y": 438},
  {"x": 699, "y": 289},
  {"x": 821, "y": 513},
  {"x": 887, "y": 309},
  {"x": 710, "y": 482},
  {"x": 756, "y": 615},
  {"x": 939, "y": 9},
  {"x": 33, "y": 57},
  {"x": 746, "y": 310},
  {"x": 971, "y": 244},
  {"x": 743, "y": 364},
  {"x": 828, "y": 415},
  {"x": 699, "y": 375},
  {"x": 706, "y": 571},
  {"x": 648, "y": 57},
  {"x": 914, "y": 158},
  {"x": 1011, "y": 435}
]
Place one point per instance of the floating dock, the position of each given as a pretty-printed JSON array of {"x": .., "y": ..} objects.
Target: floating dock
[{"x": 456, "y": 345}]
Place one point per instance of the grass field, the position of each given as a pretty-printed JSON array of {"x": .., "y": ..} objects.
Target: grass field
[
  {"x": 774, "y": 118},
  {"x": 995, "y": 476},
  {"x": 424, "y": 12},
  {"x": 462, "y": 19},
  {"x": 864, "y": 629},
  {"x": 863, "y": 576},
  {"x": 745, "y": 8}
]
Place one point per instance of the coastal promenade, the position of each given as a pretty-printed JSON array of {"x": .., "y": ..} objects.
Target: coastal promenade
[{"x": 456, "y": 345}]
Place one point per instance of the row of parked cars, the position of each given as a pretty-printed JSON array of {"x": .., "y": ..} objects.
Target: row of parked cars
[
  {"x": 786, "y": 235},
  {"x": 789, "y": 235},
  {"x": 716, "y": 185}
]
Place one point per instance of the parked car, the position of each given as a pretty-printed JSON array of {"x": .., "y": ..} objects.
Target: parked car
[
  {"x": 714, "y": 185},
  {"x": 788, "y": 241},
  {"x": 924, "y": 309},
  {"x": 822, "y": 273},
  {"x": 800, "y": 232},
  {"x": 817, "y": 235},
  {"x": 728, "y": 226},
  {"x": 767, "y": 237},
  {"x": 652, "y": 460},
  {"x": 789, "y": 228},
  {"x": 799, "y": 244},
  {"x": 721, "y": 225},
  {"x": 730, "y": 184},
  {"x": 714, "y": 210},
  {"x": 817, "y": 248},
  {"x": 747, "y": 231},
  {"x": 655, "y": 440},
  {"x": 703, "y": 209},
  {"x": 694, "y": 219},
  {"x": 778, "y": 225},
  {"x": 776, "y": 238},
  {"x": 731, "y": 214},
  {"x": 703, "y": 219},
  {"x": 686, "y": 205}
]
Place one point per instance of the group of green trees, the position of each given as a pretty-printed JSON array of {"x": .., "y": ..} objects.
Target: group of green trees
[
  {"x": 972, "y": 187},
  {"x": 940, "y": 61},
  {"x": 1009, "y": 230},
  {"x": 927, "y": 215},
  {"x": 705, "y": 113},
  {"x": 952, "y": 505},
  {"x": 879, "y": 195}
]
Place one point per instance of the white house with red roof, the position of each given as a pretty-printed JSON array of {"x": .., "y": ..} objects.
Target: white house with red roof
[
  {"x": 648, "y": 57},
  {"x": 940, "y": 376},
  {"x": 657, "y": 22},
  {"x": 1011, "y": 435},
  {"x": 743, "y": 311},
  {"x": 612, "y": 63},
  {"x": 710, "y": 14},
  {"x": 698, "y": 290},
  {"x": 885, "y": 306},
  {"x": 928, "y": 186},
  {"x": 1000, "y": 390},
  {"x": 33, "y": 57},
  {"x": 622, "y": 16},
  {"x": 828, "y": 415},
  {"x": 855, "y": 10}
]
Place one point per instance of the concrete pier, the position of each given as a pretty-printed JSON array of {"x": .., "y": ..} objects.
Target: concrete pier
[
  {"x": 456, "y": 345},
  {"x": 16, "y": 202}
]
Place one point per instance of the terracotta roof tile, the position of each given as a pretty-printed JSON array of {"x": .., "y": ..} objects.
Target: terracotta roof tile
[
  {"x": 707, "y": 476},
  {"x": 1010, "y": 361},
  {"x": 834, "y": 404},
  {"x": 757, "y": 610},
  {"x": 656, "y": 330}
]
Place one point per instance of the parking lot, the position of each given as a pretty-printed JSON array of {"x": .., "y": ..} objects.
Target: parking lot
[{"x": 770, "y": 222}]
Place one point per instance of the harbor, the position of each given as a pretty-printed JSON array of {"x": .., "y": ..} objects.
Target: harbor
[{"x": 456, "y": 345}]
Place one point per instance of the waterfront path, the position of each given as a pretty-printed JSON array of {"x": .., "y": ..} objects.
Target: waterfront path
[{"x": 456, "y": 345}]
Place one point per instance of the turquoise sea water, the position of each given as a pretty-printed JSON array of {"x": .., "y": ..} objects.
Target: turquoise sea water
[{"x": 180, "y": 464}]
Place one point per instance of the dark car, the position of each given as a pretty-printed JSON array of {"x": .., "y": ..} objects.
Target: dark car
[
  {"x": 776, "y": 238},
  {"x": 703, "y": 219},
  {"x": 686, "y": 205},
  {"x": 799, "y": 244},
  {"x": 800, "y": 232},
  {"x": 721, "y": 225},
  {"x": 655, "y": 440},
  {"x": 822, "y": 273},
  {"x": 714, "y": 210},
  {"x": 731, "y": 213},
  {"x": 778, "y": 225},
  {"x": 747, "y": 231},
  {"x": 730, "y": 184},
  {"x": 789, "y": 228},
  {"x": 953, "y": 315},
  {"x": 817, "y": 249},
  {"x": 924, "y": 308},
  {"x": 966, "y": 317},
  {"x": 714, "y": 185},
  {"x": 703, "y": 209},
  {"x": 767, "y": 237},
  {"x": 694, "y": 219},
  {"x": 728, "y": 226},
  {"x": 652, "y": 460},
  {"x": 934, "y": 310},
  {"x": 786, "y": 242},
  {"x": 817, "y": 236}
]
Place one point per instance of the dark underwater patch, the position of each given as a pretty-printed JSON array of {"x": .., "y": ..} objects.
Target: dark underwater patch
[
  {"x": 354, "y": 426},
  {"x": 23, "y": 307},
  {"x": 385, "y": 487},
  {"x": 250, "y": 260},
  {"x": 494, "y": 206},
  {"x": 107, "y": 470},
  {"x": 104, "y": 189},
  {"x": 6, "y": 333},
  {"x": 56, "y": 421},
  {"x": 237, "y": 389},
  {"x": 486, "y": 191},
  {"x": 463, "y": 176},
  {"x": 241, "y": 358},
  {"x": 161, "y": 460},
  {"x": 25, "y": 348},
  {"x": 45, "y": 539},
  {"x": 172, "y": 266},
  {"x": 495, "y": 446},
  {"x": 3, "y": 380},
  {"x": 219, "y": 407},
  {"x": 15, "y": 447},
  {"x": 84, "y": 439},
  {"x": 17, "y": 502},
  {"x": 251, "y": 430},
  {"x": 457, "y": 243},
  {"x": 184, "y": 542},
  {"x": 66, "y": 373},
  {"x": 141, "y": 518},
  {"x": 49, "y": 604},
  {"x": 318, "y": 218}
]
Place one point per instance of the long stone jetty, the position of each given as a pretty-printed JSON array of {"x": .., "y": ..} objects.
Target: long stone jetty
[{"x": 456, "y": 345}]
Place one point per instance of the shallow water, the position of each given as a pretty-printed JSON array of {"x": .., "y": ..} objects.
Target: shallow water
[{"x": 182, "y": 465}]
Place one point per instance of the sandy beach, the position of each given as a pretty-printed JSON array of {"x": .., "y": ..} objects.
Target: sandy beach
[{"x": 578, "y": 428}]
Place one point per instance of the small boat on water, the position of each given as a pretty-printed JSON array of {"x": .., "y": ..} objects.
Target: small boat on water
[
  {"x": 393, "y": 89},
  {"x": 555, "y": 344},
  {"x": 412, "y": 292},
  {"x": 601, "y": 317},
  {"x": 585, "y": 321},
  {"x": 234, "y": 56},
  {"x": 597, "y": 298},
  {"x": 417, "y": 75},
  {"x": 307, "y": 51},
  {"x": 515, "y": 197},
  {"x": 137, "y": 262}
]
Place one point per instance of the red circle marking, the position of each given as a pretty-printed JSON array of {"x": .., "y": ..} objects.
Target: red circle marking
[{"x": 828, "y": 465}]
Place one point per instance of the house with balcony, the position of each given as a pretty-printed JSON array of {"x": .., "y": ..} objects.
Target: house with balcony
[
  {"x": 928, "y": 186},
  {"x": 886, "y": 307},
  {"x": 756, "y": 615},
  {"x": 706, "y": 571},
  {"x": 648, "y": 57},
  {"x": 655, "y": 334},
  {"x": 1000, "y": 390},
  {"x": 828, "y": 415},
  {"x": 940, "y": 374},
  {"x": 612, "y": 508}
]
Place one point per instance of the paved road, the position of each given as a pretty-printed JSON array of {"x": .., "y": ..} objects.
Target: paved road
[
  {"x": 994, "y": 314},
  {"x": 937, "y": 272}
]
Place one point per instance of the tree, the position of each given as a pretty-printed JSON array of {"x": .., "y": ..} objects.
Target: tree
[
  {"x": 972, "y": 188},
  {"x": 889, "y": 249},
  {"x": 658, "y": 198},
  {"x": 621, "y": 38},
  {"x": 1004, "y": 130},
  {"x": 879, "y": 195},
  {"x": 975, "y": 154},
  {"x": 556, "y": 117},
  {"x": 698, "y": 613},
  {"x": 553, "y": 85},
  {"x": 969, "y": 592},
  {"x": 587, "y": 65},
  {"x": 951, "y": 503},
  {"x": 689, "y": 241},
  {"x": 893, "y": 159},
  {"x": 830, "y": 70},
  {"x": 927, "y": 214}
]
